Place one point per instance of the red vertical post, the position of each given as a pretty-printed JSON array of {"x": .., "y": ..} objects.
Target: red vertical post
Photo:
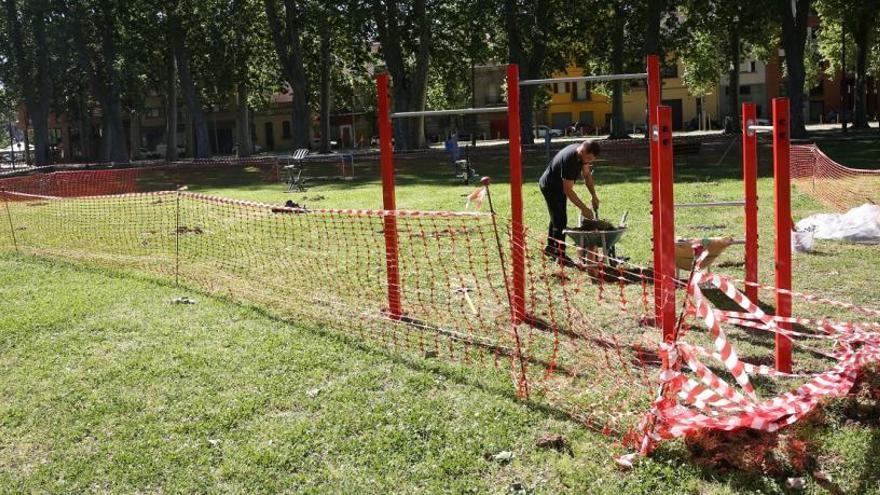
[
  {"x": 666, "y": 207},
  {"x": 750, "y": 190},
  {"x": 389, "y": 203},
  {"x": 653, "y": 103},
  {"x": 782, "y": 199},
  {"x": 518, "y": 243}
]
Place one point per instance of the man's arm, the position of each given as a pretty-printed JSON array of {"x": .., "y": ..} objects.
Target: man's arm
[
  {"x": 591, "y": 186},
  {"x": 568, "y": 189}
]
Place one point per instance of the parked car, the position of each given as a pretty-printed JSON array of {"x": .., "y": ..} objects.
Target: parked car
[{"x": 542, "y": 131}]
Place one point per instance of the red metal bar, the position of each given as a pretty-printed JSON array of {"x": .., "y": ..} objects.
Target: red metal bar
[
  {"x": 666, "y": 207},
  {"x": 750, "y": 186},
  {"x": 518, "y": 243},
  {"x": 653, "y": 103},
  {"x": 386, "y": 156},
  {"x": 782, "y": 198}
]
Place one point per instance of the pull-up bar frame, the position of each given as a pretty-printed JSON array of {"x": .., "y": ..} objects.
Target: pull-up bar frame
[
  {"x": 603, "y": 78},
  {"x": 437, "y": 113},
  {"x": 518, "y": 247}
]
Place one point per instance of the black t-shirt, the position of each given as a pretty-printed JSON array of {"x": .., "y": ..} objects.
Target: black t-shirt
[{"x": 565, "y": 165}]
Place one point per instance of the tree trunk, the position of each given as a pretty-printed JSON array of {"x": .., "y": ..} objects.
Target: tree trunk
[
  {"x": 202, "y": 148},
  {"x": 27, "y": 139},
  {"x": 112, "y": 112},
  {"x": 32, "y": 75},
  {"x": 526, "y": 114},
  {"x": 794, "y": 35},
  {"x": 171, "y": 109},
  {"x": 652, "y": 34},
  {"x": 85, "y": 127},
  {"x": 243, "y": 123},
  {"x": 40, "y": 114},
  {"x": 410, "y": 86},
  {"x": 288, "y": 48},
  {"x": 618, "y": 124},
  {"x": 733, "y": 75},
  {"x": 189, "y": 148},
  {"x": 325, "y": 88},
  {"x": 134, "y": 140},
  {"x": 860, "y": 92}
]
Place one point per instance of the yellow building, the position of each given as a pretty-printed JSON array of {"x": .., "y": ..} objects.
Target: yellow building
[
  {"x": 575, "y": 102},
  {"x": 686, "y": 108}
]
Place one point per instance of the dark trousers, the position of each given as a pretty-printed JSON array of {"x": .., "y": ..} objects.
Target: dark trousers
[{"x": 556, "y": 205}]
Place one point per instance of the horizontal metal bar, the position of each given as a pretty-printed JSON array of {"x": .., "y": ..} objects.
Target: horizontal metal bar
[
  {"x": 761, "y": 128},
  {"x": 607, "y": 77},
  {"x": 710, "y": 204},
  {"x": 460, "y": 111}
]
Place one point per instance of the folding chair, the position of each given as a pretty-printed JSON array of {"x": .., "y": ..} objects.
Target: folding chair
[{"x": 295, "y": 180}]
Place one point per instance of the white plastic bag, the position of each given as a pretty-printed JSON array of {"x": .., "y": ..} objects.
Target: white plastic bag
[{"x": 860, "y": 225}]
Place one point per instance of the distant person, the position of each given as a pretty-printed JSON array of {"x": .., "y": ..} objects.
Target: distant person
[{"x": 557, "y": 185}]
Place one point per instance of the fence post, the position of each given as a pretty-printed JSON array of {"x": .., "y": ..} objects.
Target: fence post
[
  {"x": 666, "y": 236},
  {"x": 177, "y": 237},
  {"x": 782, "y": 198},
  {"x": 653, "y": 102},
  {"x": 9, "y": 217},
  {"x": 750, "y": 189},
  {"x": 389, "y": 203},
  {"x": 517, "y": 241}
]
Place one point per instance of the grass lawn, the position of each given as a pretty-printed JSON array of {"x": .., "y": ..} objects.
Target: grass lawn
[{"x": 109, "y": 388}]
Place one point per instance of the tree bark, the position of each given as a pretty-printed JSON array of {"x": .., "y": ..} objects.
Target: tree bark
[
  {"x": 734, "y": 48},
  {"x": 794, "y": 35},
  {"x": 85, "y": 127},
  {"x": 189, "y": 145},
  {"x": 27, "y": 139},
  {"x": 171, "y": 108},
  {"x": 618, "y": 124},
  {"x": 325, "y": 87},
  {"x": 864, "y": 26},
  {"x": 134, "y": 140},
  {"x": 192, "y": 100},
  {"x": 243, "y": 123}
]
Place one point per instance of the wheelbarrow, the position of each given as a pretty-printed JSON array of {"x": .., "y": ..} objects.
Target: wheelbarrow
[{"x": 589, "y": 238}]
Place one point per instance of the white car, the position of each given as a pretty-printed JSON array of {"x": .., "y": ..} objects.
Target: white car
[{"x": 542, "y": 131}]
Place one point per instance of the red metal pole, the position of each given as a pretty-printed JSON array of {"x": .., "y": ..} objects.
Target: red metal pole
[
  {"x": 518, "y": 244},
  {"x": 653, "y": 103},
  {"x": 666, "y": 207},
  {"x": 386, "y": 156},
  {"x": 782, "y": 198},
  {"x": 750, "y": 186}
]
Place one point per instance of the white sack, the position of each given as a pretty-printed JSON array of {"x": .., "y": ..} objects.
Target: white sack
[{"x": 861, "y": 225}]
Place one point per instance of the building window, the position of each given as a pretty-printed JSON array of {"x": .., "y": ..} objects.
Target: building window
[
  {"x": 285, "y": 129},
  {"x": 745, "y": 90},
  {"x": 153, "y": 113},
  {"x": 581, "y": 91},
  {"x": 669, "y": 70},
  {"x": 560, "y": 88}
]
